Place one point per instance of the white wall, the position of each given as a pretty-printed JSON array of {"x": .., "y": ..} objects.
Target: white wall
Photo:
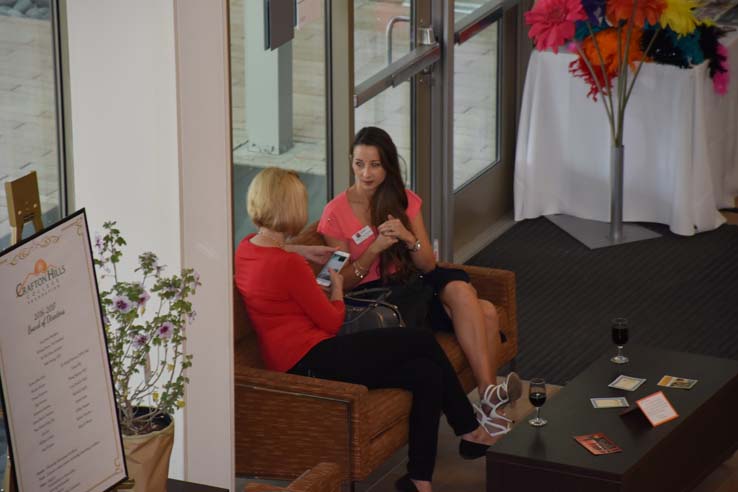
[
  {"x": 151, "y": 149},
  {"x": 125, "y": 158},
  {"x": 203, "y": 84}
]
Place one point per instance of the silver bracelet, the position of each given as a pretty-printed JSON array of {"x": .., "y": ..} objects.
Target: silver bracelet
[{"x": 416, "y": 247}]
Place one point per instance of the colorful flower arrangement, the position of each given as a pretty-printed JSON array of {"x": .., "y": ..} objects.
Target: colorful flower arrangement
[
  {"x": 613, "y": 38},
  {"x": 147, "y": 359}
]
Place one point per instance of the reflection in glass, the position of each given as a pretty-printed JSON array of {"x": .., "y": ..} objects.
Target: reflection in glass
[
  {"x": 475, "y": 105},
  {"x": 278, "y": 104},
  {"x": 28, "y": 120},
  {"x": 371, "y": 20},
  {"x": 390, "y": 110}
]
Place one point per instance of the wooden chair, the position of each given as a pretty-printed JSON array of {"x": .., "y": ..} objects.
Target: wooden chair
[
  {"x": 324, "y": 477},
  {"x": 286, "y": 423},
  {"x": 24, "y": 205}
]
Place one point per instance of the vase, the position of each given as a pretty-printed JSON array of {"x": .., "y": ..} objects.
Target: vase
[
  {"x": 147, "y": 458},
  {"x": 616, "y": 193}
]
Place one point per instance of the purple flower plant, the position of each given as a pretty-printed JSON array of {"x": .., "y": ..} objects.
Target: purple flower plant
[
  {"x": 99, "y": 243},
  {"x": 140, "y": 341},
  {"x": 122, "y": 304},
  {"x": 145, "y": 296},
  {"x": 165, "y": 330}
]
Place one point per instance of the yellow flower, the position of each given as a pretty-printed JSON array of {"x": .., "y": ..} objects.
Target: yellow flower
[
  {"x": 180, "y": 403},
  {"x": 679, "y": 16},
  {"x": 156, "y": 396}
]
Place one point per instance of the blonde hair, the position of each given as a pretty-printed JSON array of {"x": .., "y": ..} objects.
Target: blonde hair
[{"x": 277, "y": 200}]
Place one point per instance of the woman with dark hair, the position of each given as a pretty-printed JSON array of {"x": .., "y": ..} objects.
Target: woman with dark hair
[
  {"x": 380, "y": 224},
  {"x": 297, "y": 326}
]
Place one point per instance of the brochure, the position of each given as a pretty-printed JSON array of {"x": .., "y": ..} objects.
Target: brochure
[
  {"x": 675, "y": 382},
  {"x": 627, "y": 383},
  {"x": 657, "y": 408},
  {"x": 616, "y": 402},
  {"x": 598, "y": 443}
]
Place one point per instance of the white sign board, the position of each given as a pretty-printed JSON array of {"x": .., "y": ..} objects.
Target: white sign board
[{"x": 56, "y": 382}]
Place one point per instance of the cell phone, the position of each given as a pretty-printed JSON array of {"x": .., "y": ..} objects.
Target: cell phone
[{"x": 337, "y": 261}]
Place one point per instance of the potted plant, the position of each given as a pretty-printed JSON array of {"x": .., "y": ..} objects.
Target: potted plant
[{"x": 145, "y": 321}]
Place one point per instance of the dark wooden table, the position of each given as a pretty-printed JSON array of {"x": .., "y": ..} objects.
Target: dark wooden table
[
  {"x": 675, "y": 456},
  {"x": 180, "y": 486}
]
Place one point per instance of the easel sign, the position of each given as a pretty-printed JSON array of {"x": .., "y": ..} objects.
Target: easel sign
[{"x": 59, "y": 404}]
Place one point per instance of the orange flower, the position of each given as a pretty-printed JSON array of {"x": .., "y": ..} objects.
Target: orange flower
[
  {"x": 645, "y": 11},
  {"x": 607, "y": 41}
]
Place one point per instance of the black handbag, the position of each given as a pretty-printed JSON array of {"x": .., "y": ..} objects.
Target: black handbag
[{"x": 367, "y": 310}]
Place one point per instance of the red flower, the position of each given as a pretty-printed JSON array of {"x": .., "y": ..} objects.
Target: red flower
[
  {"x": 552, "y": 22},
  {"x": 645, "y": 10}
]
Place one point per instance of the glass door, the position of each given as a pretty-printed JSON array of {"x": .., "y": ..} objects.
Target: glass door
[
  {"x": 389, "y": 58},
  {"x": 279, "y": 103},
  {"x": 483, "y": 123}
]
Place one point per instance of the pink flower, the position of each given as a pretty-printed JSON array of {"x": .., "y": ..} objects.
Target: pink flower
[
  {"x": 552, "y": 22},
  {"x": 166, "y": 330},
  {"x": 140, "y": 341},
  {"x": 721, "y": 79},
  {"x": 143, "y": 297},
  {"x": 122, "y": 304}
]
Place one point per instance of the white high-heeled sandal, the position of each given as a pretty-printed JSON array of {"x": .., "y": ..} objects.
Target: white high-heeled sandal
[{"x": 512, "y": 386}]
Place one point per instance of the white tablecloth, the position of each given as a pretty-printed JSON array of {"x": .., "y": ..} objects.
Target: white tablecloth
[{"x": 681, "y": 146}]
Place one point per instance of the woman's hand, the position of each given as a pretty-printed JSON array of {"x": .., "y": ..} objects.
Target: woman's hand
[
  {"x": 394, "y": 228},
  {"x": 382, "y": 242},
  {"x": 336, "y": 285},
  {"x": 316, "y": 254}
]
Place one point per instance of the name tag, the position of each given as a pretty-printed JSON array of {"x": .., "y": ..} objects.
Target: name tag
[{"x": 362, "y": 234}]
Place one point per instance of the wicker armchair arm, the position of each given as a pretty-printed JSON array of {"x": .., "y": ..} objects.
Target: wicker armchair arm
[
  {"x": 493, "y": 284},
  {"x": 299, "y": 385},
  {"x": 324, "y": 477}
]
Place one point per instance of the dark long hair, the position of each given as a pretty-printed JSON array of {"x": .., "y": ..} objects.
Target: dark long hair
[{"x": 389, "y": 199}]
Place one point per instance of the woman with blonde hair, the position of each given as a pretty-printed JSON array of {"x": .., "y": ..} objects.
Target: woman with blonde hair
[
  {"x": 380, "y": 224},
  {"x": 297, "y": 326}
]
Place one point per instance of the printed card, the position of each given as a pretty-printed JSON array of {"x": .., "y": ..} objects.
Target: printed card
[
  {"x": 627, "y": 383},
  {"x": 616, "y": 402},
  {"x": 675, "y": 382},
  {"x": 657, "y": 408},
  {"x": 598, "y": 443}
]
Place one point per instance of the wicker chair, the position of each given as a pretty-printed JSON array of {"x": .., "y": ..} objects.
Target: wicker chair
[
  {"x": 287, "y": 423},
  {"x": 325, "y": 477}
]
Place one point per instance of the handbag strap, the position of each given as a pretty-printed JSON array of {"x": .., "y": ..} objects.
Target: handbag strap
[{"x": 371, "y": 294}]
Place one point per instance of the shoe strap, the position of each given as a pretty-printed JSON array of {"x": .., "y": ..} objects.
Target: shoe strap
[{"x": 486, "y": 421}]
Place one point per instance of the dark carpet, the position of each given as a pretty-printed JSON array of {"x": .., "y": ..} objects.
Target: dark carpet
[{"x": 678, "y": 293}]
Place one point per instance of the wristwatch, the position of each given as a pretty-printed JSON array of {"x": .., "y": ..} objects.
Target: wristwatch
[{"x": 416, "y": 247}]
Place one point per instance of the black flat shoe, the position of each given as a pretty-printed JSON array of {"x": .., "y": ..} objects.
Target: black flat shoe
[
  {"x": 404, "y": 484},
  {"x": 472, "y": 450}
]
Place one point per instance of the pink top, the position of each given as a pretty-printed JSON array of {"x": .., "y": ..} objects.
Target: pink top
[{"x": 339, "y": 222}]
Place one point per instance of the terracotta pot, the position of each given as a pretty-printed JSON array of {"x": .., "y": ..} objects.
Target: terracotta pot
[{"x": 147, "y": 458}]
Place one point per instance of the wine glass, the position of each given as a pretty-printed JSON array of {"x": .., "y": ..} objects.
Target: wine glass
[
  {"x": 619, "y": 338},
  {"x": 537, "y": 397}
]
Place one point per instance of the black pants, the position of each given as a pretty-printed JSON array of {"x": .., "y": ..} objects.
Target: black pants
[{"x": 404, "y": 358}]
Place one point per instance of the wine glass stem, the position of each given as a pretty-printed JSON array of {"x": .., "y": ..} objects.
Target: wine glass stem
[
  {"x": 620, "y": 350},
  {"x": 538, "y": 413}
]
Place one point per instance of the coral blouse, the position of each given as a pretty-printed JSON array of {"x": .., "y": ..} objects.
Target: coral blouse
[
  {"x": 290, "y": 313},
  {"x": 339, "y": 222}
]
